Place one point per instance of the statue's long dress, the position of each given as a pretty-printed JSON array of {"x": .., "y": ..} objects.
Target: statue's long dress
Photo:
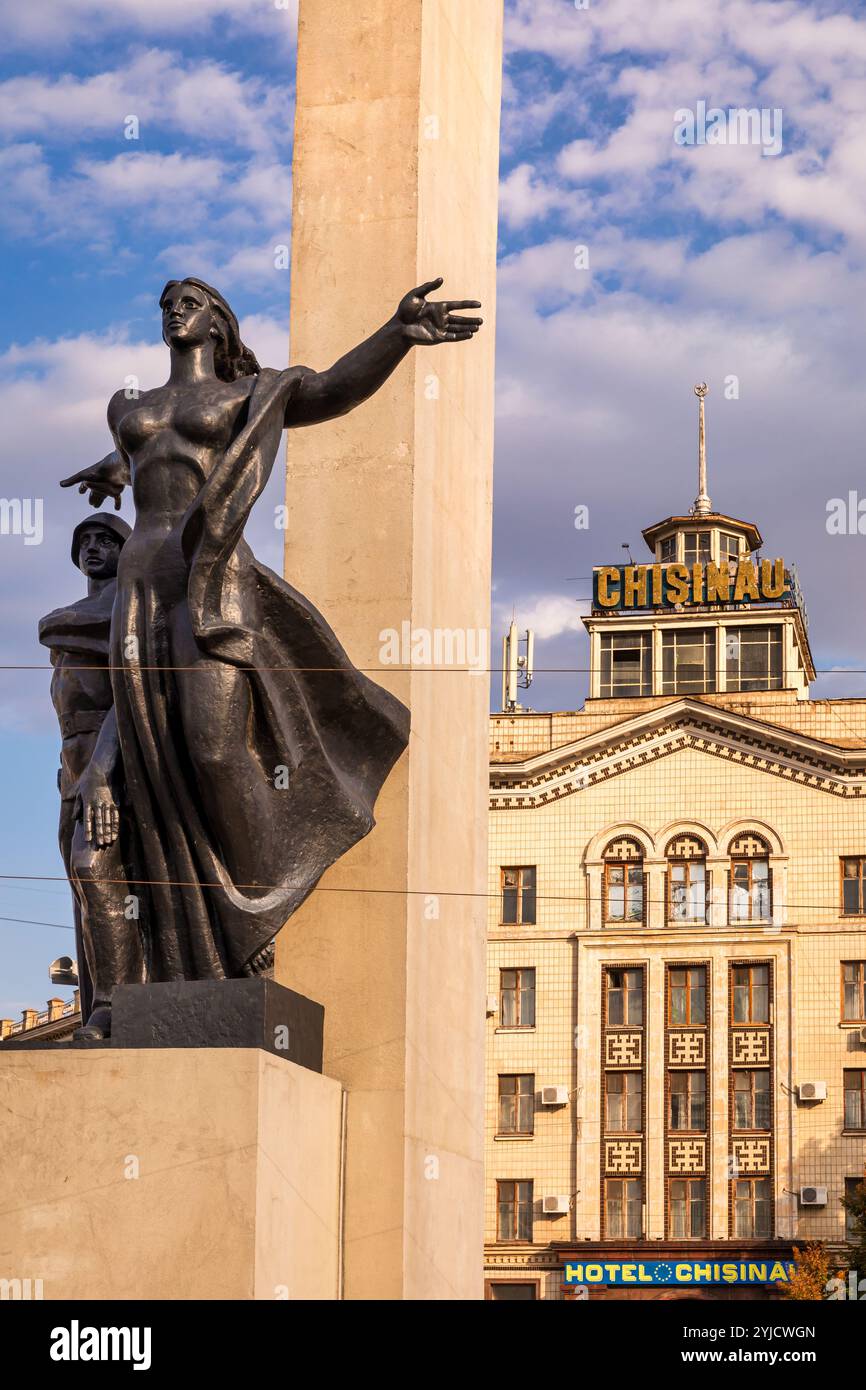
[{"x": 315, "y": 745}]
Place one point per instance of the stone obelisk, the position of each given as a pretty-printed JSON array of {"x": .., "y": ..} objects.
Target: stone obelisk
[{"x": 395, "y": 182}]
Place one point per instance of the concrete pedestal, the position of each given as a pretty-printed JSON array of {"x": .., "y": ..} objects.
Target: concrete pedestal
[{"x": 168, "y": 1174}]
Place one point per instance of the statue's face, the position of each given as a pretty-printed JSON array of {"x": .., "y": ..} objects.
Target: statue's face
[
  {"x": 98, "y": 552},
  {"x": 187, "y": 319}
]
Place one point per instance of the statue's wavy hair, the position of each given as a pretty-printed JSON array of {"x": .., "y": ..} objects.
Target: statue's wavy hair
[{"x": 232, "y": 358}]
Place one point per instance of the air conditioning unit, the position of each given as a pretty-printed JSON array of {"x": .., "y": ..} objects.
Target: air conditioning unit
[
  {"x": 813, "y": 1196},
  {"x": 555, "y": 1206},
  {"x": 862, "y": 1035},
  {"x": 554, "y": 1095},
  {"x": 813, "y": 1090},
  {"x": 492, "y": 1003}
]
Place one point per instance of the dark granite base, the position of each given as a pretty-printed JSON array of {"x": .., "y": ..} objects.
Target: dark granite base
[{"x": 211, "y": 1013}]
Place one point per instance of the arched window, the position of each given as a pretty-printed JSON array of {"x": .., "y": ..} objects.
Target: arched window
[
  {"x": 687, "y": 879},
  {"x": 623, "y": 881},
  {"x": 751, "y": 889}
]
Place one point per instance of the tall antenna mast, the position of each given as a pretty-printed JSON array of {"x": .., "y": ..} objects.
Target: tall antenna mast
[{"x": 703, "y": 505}]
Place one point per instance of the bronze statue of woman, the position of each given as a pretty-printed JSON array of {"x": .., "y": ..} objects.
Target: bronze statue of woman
[{"x": 252, "y": 750}]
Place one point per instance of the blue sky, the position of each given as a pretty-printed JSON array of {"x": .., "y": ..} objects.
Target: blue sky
[{"x": 704, "y": 262}]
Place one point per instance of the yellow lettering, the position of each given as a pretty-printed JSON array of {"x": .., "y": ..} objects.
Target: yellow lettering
[
  {"x": 772, "y": 578},
  {"x": 678, "y": 583},
  {"x": 703, "y": 1272},
  {"x": 758, "y": 1272},
  {"x": 574, "y": 1274},
  {"x": 747, "y": 581},
  {"x": 697, "y": 583},
  {"x": 606, "y": 575},
  {"x": 594, "y": 1274},
  {"x": 778, "y": 1272},
  {"x": 683, "y": 1273},
  {"x": 718, "y": 584},
  {"x": 634, "y": 587},
  {"x": 729, "y": 1273},
  {"x": 628, "y": 1274},
  {"x": 642, "y": 1276},
  {"x": 657, "y": 585}
]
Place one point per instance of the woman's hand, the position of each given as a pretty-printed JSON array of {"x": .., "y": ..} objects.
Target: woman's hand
[
  {"x": 436, "y": 323},
  {"x": 97, "y": 809},
  {"x": 107, "y": 478}
]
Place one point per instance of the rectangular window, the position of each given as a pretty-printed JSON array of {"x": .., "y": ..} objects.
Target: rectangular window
[
  {"x": 509, "y": 1290},
  {"x": 752, "y": 1099},
  {"x": 624, "y": 1092},
  {"x": 689, "y": 661},
  {"x": 518, "y": 895},
  {"x": 753, "y": 1204},
  {"x": 623, "y": 1202},
  {"x": 623, "y": 891},
  {"x": 696, "y": 547},
  {"x": 729, "y": 549},
  {"x": 751, "y": 898},
  {"x": 687, "y": 987},
  {"x": 688, "y": 1100},
  {"x": 854, "y": 885},
  {"x": 851, "y": 1186},
  {"x": 688, "y": 1208},
  {"x": 517, "y": 998},
  {"x": 626, "y": 664},
  {"x": 668, "y": 550},
  {"x": 855, "y": 1099},
  {"x": 687, "y": 890},
  {"x": 624, "y": 998},
  {"x": 753, "y": 658},
  {"x": 751, "y": 993},
  {"x": 854, "y": 991},
  {"x": 517, "y": 1104},
  {"x": 514, "y": 1210}
]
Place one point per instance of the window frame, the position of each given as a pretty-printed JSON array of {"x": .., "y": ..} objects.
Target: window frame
[
  {"x": 641, "y": 639},
  {"x": 672, "y": 640},
  {"x": 490, "y": 1284},
  {"x": 625, "y": 865},
  {"x": 624, "y": 970},
  {"x": 843, "y": 1017},
  {"x": 527, "y": 1205},
  {"x": 516, "y": 1097},
  {"x": 688, "y": 1181},
  {"x": 626, "y": 1096},
  {"x": 860, "y": 859},
  {"x": 519, "y": 971},
  {"x": 749, "y": 860},
  {"x": 689, "y": 1073},
  {"x": 626, "y": 1204},
  {"x": 521, "y": 889},
  {"x": 751, "y": 966},
  {"x": 688, "y": 969},
  {"x": 774, "y": 642},
  {"x": 753, "y": 1094},
  {"x": 753, "y": 1184},
  {"x": 859, "y": 1090},
  {"x": 670, "y": 919}
]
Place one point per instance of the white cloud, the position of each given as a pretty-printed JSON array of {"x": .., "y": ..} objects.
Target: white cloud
[
  {"x": 203, "y": 100},
  {"x": 54, "y": 24}
]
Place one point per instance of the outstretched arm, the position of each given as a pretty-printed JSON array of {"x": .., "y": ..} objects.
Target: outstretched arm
[
  {"x": 325, "y": 395},
  {"x": 107, "y": 478}
]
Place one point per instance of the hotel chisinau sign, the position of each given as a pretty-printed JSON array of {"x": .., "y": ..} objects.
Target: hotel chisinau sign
[{"x": 666, "y": 586}]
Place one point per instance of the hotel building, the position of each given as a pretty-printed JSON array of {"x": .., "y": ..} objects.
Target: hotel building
[{"x": 676, "y": 1059}]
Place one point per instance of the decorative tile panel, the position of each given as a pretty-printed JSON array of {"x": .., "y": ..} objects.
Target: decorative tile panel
[
  {"x": 623, "y": 1050},
  {"x": 622, "y": 1155},
  {"x": 750, "y": 1046},
  {"x": 687, "y": 1156},
  {"x": 687, "y": 1047}
]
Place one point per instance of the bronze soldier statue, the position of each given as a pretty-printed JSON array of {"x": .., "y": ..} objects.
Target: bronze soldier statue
[{"x": 108, "y": 940}]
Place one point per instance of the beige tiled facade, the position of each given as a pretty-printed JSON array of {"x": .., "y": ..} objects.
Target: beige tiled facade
[{"x": 787, "y": 774}]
